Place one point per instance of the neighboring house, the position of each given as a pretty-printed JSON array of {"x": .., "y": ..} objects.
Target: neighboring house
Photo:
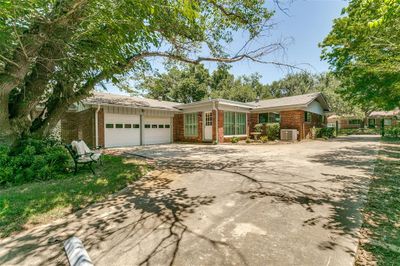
[
  {"x": 389, "y": 118},
  {"x": 345, "y": 121},
  {"x": 112, "y": 120}
]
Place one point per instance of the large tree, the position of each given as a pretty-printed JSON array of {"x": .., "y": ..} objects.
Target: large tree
[
  {"x": 194, "y": 83},
  {"x": 53, "y": 52},
  {"x": 363, "y": 49},
  {"x": 191, "y": 83}
]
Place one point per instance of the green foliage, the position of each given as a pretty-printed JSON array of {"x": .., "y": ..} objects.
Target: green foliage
[
  {"x": 359, "y": 131},
  {"x": 327, "y": 132},
  {"x": 316, "y": 132},
  {"x": 32, "y": 160},
  {"x": 302, "y": 83},
  {"x": 272, "y": 131},
  {"x": 194, "y": 83},
  {"x": 56, "y": 52},
  {"x": 248, "y": 140},
  {"x": 393, "y": 132},
  {"x": 259, "y": 128},
  {"x": 364, "y": 52},
  {"x": 264, "y": 139},
  {"x": 382, "y": 208},
  {"x": 235, "y": 140},
  {"x": 184, "y": 85},
  {"x": 42, "y": 202}
]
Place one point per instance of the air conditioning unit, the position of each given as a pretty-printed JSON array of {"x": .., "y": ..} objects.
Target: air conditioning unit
[{"x": 289, "y": 134}]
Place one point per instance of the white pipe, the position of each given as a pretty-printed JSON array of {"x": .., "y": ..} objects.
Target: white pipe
[{"x": 96, "y": 126}]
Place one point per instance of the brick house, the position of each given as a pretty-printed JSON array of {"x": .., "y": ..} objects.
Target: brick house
[{"x": 112, "y": 120}]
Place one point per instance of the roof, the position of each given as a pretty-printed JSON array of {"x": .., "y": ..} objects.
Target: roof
[
  {"x": 104, "y": 98},
  {"x": 222, "y": 101},
  {"x": 298, "y": 101},
  {"x": 385, "y": 113},
  {"x": 292, "y": 101}
]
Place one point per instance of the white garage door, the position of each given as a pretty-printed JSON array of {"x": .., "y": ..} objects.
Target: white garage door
[
  {"x": 157, "y": 130},
  {"x": 121, "y": 130}
]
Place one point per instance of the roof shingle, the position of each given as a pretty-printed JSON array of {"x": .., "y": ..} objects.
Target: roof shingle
[{"x": 128, "y": 101}]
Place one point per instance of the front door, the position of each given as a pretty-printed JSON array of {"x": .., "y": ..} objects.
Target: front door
[{"x": 208, "y": 120}]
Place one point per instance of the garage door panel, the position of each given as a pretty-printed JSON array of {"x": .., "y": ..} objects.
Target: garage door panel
[
  {"x": 121, "y": 130},
  {"x": 157, "y": 130}
]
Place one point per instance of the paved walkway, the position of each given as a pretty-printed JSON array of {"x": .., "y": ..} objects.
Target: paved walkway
[{"x": 284, "y": 204}]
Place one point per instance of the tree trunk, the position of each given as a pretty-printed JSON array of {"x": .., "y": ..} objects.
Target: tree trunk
[{"x": 7, "y": 135}]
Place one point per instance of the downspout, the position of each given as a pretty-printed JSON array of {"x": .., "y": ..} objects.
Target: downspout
[{"x": 96, "y": 126}]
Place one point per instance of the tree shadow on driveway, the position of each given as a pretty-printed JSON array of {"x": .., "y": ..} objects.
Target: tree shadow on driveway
[{"x": 148, "y": 207}]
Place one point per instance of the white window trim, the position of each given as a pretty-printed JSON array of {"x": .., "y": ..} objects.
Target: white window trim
[
  {"x": 197, "y": 125},
  {"x": 246, "y": 125}
]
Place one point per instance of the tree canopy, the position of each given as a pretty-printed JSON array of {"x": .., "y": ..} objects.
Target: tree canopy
[
  {"x": 195, "y": 83},
  {"x": 363, "y": 49},
  {"x": 54, "y": 52}
]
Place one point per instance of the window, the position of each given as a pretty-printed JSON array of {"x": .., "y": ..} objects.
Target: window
[
  {"x": 307, "y": 117},
  {"x": 119, "y": 125},
  {"x": 153, "y": 126},
  {"x": 371, "y": 122},
  {"x": 234, "y": 123},
  {"x": 136, "y": 125},
  {"x": 190, "y": 124},
  {"x": 160, "y": 126},
  {"x": 387, "y": 122},
  {"x": 209, "y": 119},
  {"x": 167, "y": 126},
  {"x": 128, "y": 126},
  {"x": 147, "y": 126},
  {"x": 109, "y": 125},
  {"x": 354, "y": 122},
  {"x": 331, "y": 125},
  {"x": 264, "y": 118}
]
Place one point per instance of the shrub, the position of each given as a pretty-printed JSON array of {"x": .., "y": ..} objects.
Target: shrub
[
  {"x": 359, "y": 131},
  {"x": 248, "y": 140},
  {"x": 258, "y": 128},
  {"x": 393, "y": 132},
  {"x": 326, "y": 132},
  {"x": 272, "y": 131},
  {"x": 32, "y": 160},
  {"x": 264, "y": 139},
  {"x": 234, "y": 139}
]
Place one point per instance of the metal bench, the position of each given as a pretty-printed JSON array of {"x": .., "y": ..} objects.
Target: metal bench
[{"x": 84, "y": 159}]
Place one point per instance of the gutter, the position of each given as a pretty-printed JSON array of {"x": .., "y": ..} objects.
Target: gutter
[{"x": 96, "y": 125}]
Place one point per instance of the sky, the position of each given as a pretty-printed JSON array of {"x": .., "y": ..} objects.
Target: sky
[{"x": 304, "y": 24}]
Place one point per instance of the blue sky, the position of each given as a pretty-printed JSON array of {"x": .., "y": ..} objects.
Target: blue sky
[{"x": 306, "y": 24}]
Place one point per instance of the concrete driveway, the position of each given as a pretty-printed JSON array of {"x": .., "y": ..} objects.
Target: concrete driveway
[{"x": 283, "y": 204}]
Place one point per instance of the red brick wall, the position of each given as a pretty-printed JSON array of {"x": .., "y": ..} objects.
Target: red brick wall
[
  {"x": 79, "y": 126},
  {"x": 295, "y": 120},
  {"x": 248, "y": 126},
  {"x": 101, "y": 127},
  {"x": 69, "y": 127},
  {"x": 253, "y": 121},
  {"x": 179, "y": 131},
  {"x": 214, "y": 125},
  {"x": 220, "y": 126}
]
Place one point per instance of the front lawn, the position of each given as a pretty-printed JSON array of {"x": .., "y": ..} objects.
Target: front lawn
[
  {"x": 37, "y": 203},
  {"x": 380, "y": 240}
]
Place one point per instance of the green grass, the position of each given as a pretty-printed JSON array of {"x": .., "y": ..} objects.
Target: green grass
[
  {"x": 382, "y": 211},
  {"x": 40, "y": 202}
]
